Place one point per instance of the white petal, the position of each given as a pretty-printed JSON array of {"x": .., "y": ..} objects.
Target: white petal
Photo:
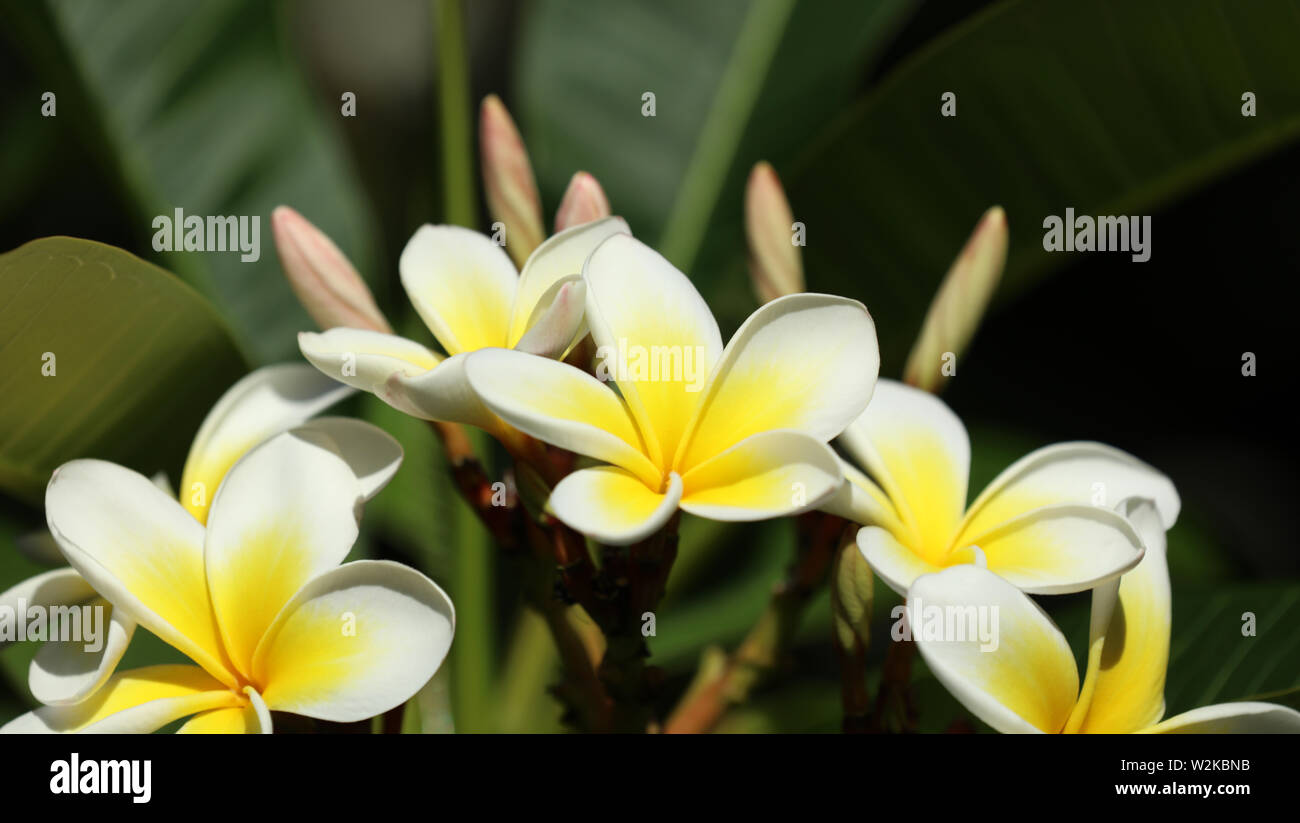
[
  {"x": 462, "y": 284},
  {"x": 612, "y": 506},
  {"x": 141, "y": 551},
  {"x": 367, "y": 359},
  {"x": 895, "y": 564},
  {"x": 264, "y": 403},
  {"x": 1233, "y": 718},
  {"x": 560, "y": 405},
  {"x": 69, "y": 671},
  {"x": 561, "y": 256},
  {"x": 441, "y": 394},
  {"x": 1124, "y": 690},
  {"x": 138, "y": 701},
  {"x": 1021, "y": 679},
  {"x": 861, "y": 501},
  {"x": 1060, "y": 549},
  {"x": 557, "y": 321},
  {"x": 918, "y": 450},
  {"x": 355, "y": 642},
  {"x": 372, "y": 453},
  {"x": 1079, "y": 472},
  {"x": 642, "y": 310},
  {"x": 287, "y": 512},
  {"x": 806, "y": 362},
  {"x": 770, "y": 474}
]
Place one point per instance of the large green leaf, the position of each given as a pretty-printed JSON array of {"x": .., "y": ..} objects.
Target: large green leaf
[
  {"x": 137, "y": 358},
  {"x": 197, "y": 107},
  {"x": 1110, "y": 108},
  {"x": 724, "y": 100}
]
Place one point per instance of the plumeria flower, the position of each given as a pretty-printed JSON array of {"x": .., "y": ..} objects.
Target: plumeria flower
[
  {"x": 257, "y": 598},
  {"x": 1030, "y": 683},
  {"x": 465, "y": 288},
  {"x": 1043, "y": 524},
  {"x": 262, "y": 404},
  {"x": 730, "y": 434}
]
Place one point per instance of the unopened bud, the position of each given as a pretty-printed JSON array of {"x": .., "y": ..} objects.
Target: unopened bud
[
  {"x": 775, "y": 265},
  {"x": 851, "y": 597},
  {"x": 584, "y": 202},
  {"x": 959, "y": 304},
  {"x": 508, "y": 180},
  {"x": 326, "y": 283}
]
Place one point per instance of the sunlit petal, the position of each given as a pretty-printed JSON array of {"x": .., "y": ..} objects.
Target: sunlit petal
[
  {"x": 1026, "y": 682},
  {"x": 462, "y": 284},
  {"x": 355, "y": 642},
  {"x": 264, "y": 403},
  {"x": 770, "y": 474},
  {"x": 612, "y": 506}
]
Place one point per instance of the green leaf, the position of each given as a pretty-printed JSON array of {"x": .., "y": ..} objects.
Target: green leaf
[
  {"x": 722, "y": 103},
  {"x": 199, "y": 108},
  {"x": 1111, "y": 108},
  {"x": 137, "y": 359}
]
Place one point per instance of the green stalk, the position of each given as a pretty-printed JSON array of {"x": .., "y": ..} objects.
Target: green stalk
[
  {"x": 738, "y": 91},
  {"x": 471, "y": 653},
  {"x": 456, "y": 116}
]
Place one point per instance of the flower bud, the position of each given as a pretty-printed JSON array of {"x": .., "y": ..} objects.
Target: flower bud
[
  {"x": 326, "y": 283},
  {"x": 584, "y": 202},
  {"x": 851, "y": 596},
  {"x": 775, "y": 265},
  {"x": 508, "y": 180},
  {"x": 959, "y": 304}
]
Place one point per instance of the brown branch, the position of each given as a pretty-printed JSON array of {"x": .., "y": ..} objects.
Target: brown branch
[{"x": 768, "y": 641}]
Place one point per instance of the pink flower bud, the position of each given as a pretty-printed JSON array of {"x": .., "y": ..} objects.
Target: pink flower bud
[{"x": 326, "y": 283}]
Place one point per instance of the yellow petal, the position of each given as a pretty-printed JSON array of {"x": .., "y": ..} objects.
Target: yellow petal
[
  {"x": 141, "y": 551},
  {"x": 770, "y": 474},
  {"x": 266, "y": 402},
  {"x": 462, "y": 284},
  {"x": 917, "y": 449},
  {"x": 613, "y": 506},
  {"x": 560, "y": 405},
  {"x": 1059, "y": 549},
  {"x": 355, "y": 642},
  {"x": 233, "y": 720},
  {"x": 286, "y": 513},
  {"x": 1084, "y": 473},
  {"x": 1125, "y": 685},
  {"x": 138, "y": 701},
  {"x": 655, "y": 337},
  {"x": 806, "y": 362},
  {"x": 1022, "y": 680}
]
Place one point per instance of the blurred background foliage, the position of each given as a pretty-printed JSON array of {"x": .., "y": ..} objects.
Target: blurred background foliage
[{"x": 1111, "y": 107}]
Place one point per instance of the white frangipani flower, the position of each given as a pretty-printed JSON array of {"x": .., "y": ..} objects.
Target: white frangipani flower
[
  {"x": 1030, "y": 682},
  {"x": 465, "y": 288},
  {"x": 730, "y": 434},
  {"x": 257, "y": 599},
  {"x": 1044, "y": 524},
  {"x": 262, "y": 404}
]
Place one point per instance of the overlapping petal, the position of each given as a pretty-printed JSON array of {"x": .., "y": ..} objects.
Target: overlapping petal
[
  {"x": 918, "y": 450},
  {"x": 561, "y": 405},
  {"x": 892, "y": 561},
  {"x": 612, "y": 505},
  {"x": 1061, "y": 549},
  {"x": 1124, "y": 689},
  {"x": 462, "y": 285},
  {"x": 806, "y": 362},
  {"x": 558, "y": 258},
  {"x": 769, "y": 474},
  {"x": 1246, "y": 717},
  {"x": 1028, "y": 683},
  {"x": 287, "y": 512},
  {"x": 263, "y": 403},
  {"x": 368, "y": 360},
  {"x": 355, "y": 642},
  {"x": 654, "y": 334},
  {"x": 138, "y": 701},
  {"x": 1080, "y": 472},
  {"x": 139, "y": 549}
]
